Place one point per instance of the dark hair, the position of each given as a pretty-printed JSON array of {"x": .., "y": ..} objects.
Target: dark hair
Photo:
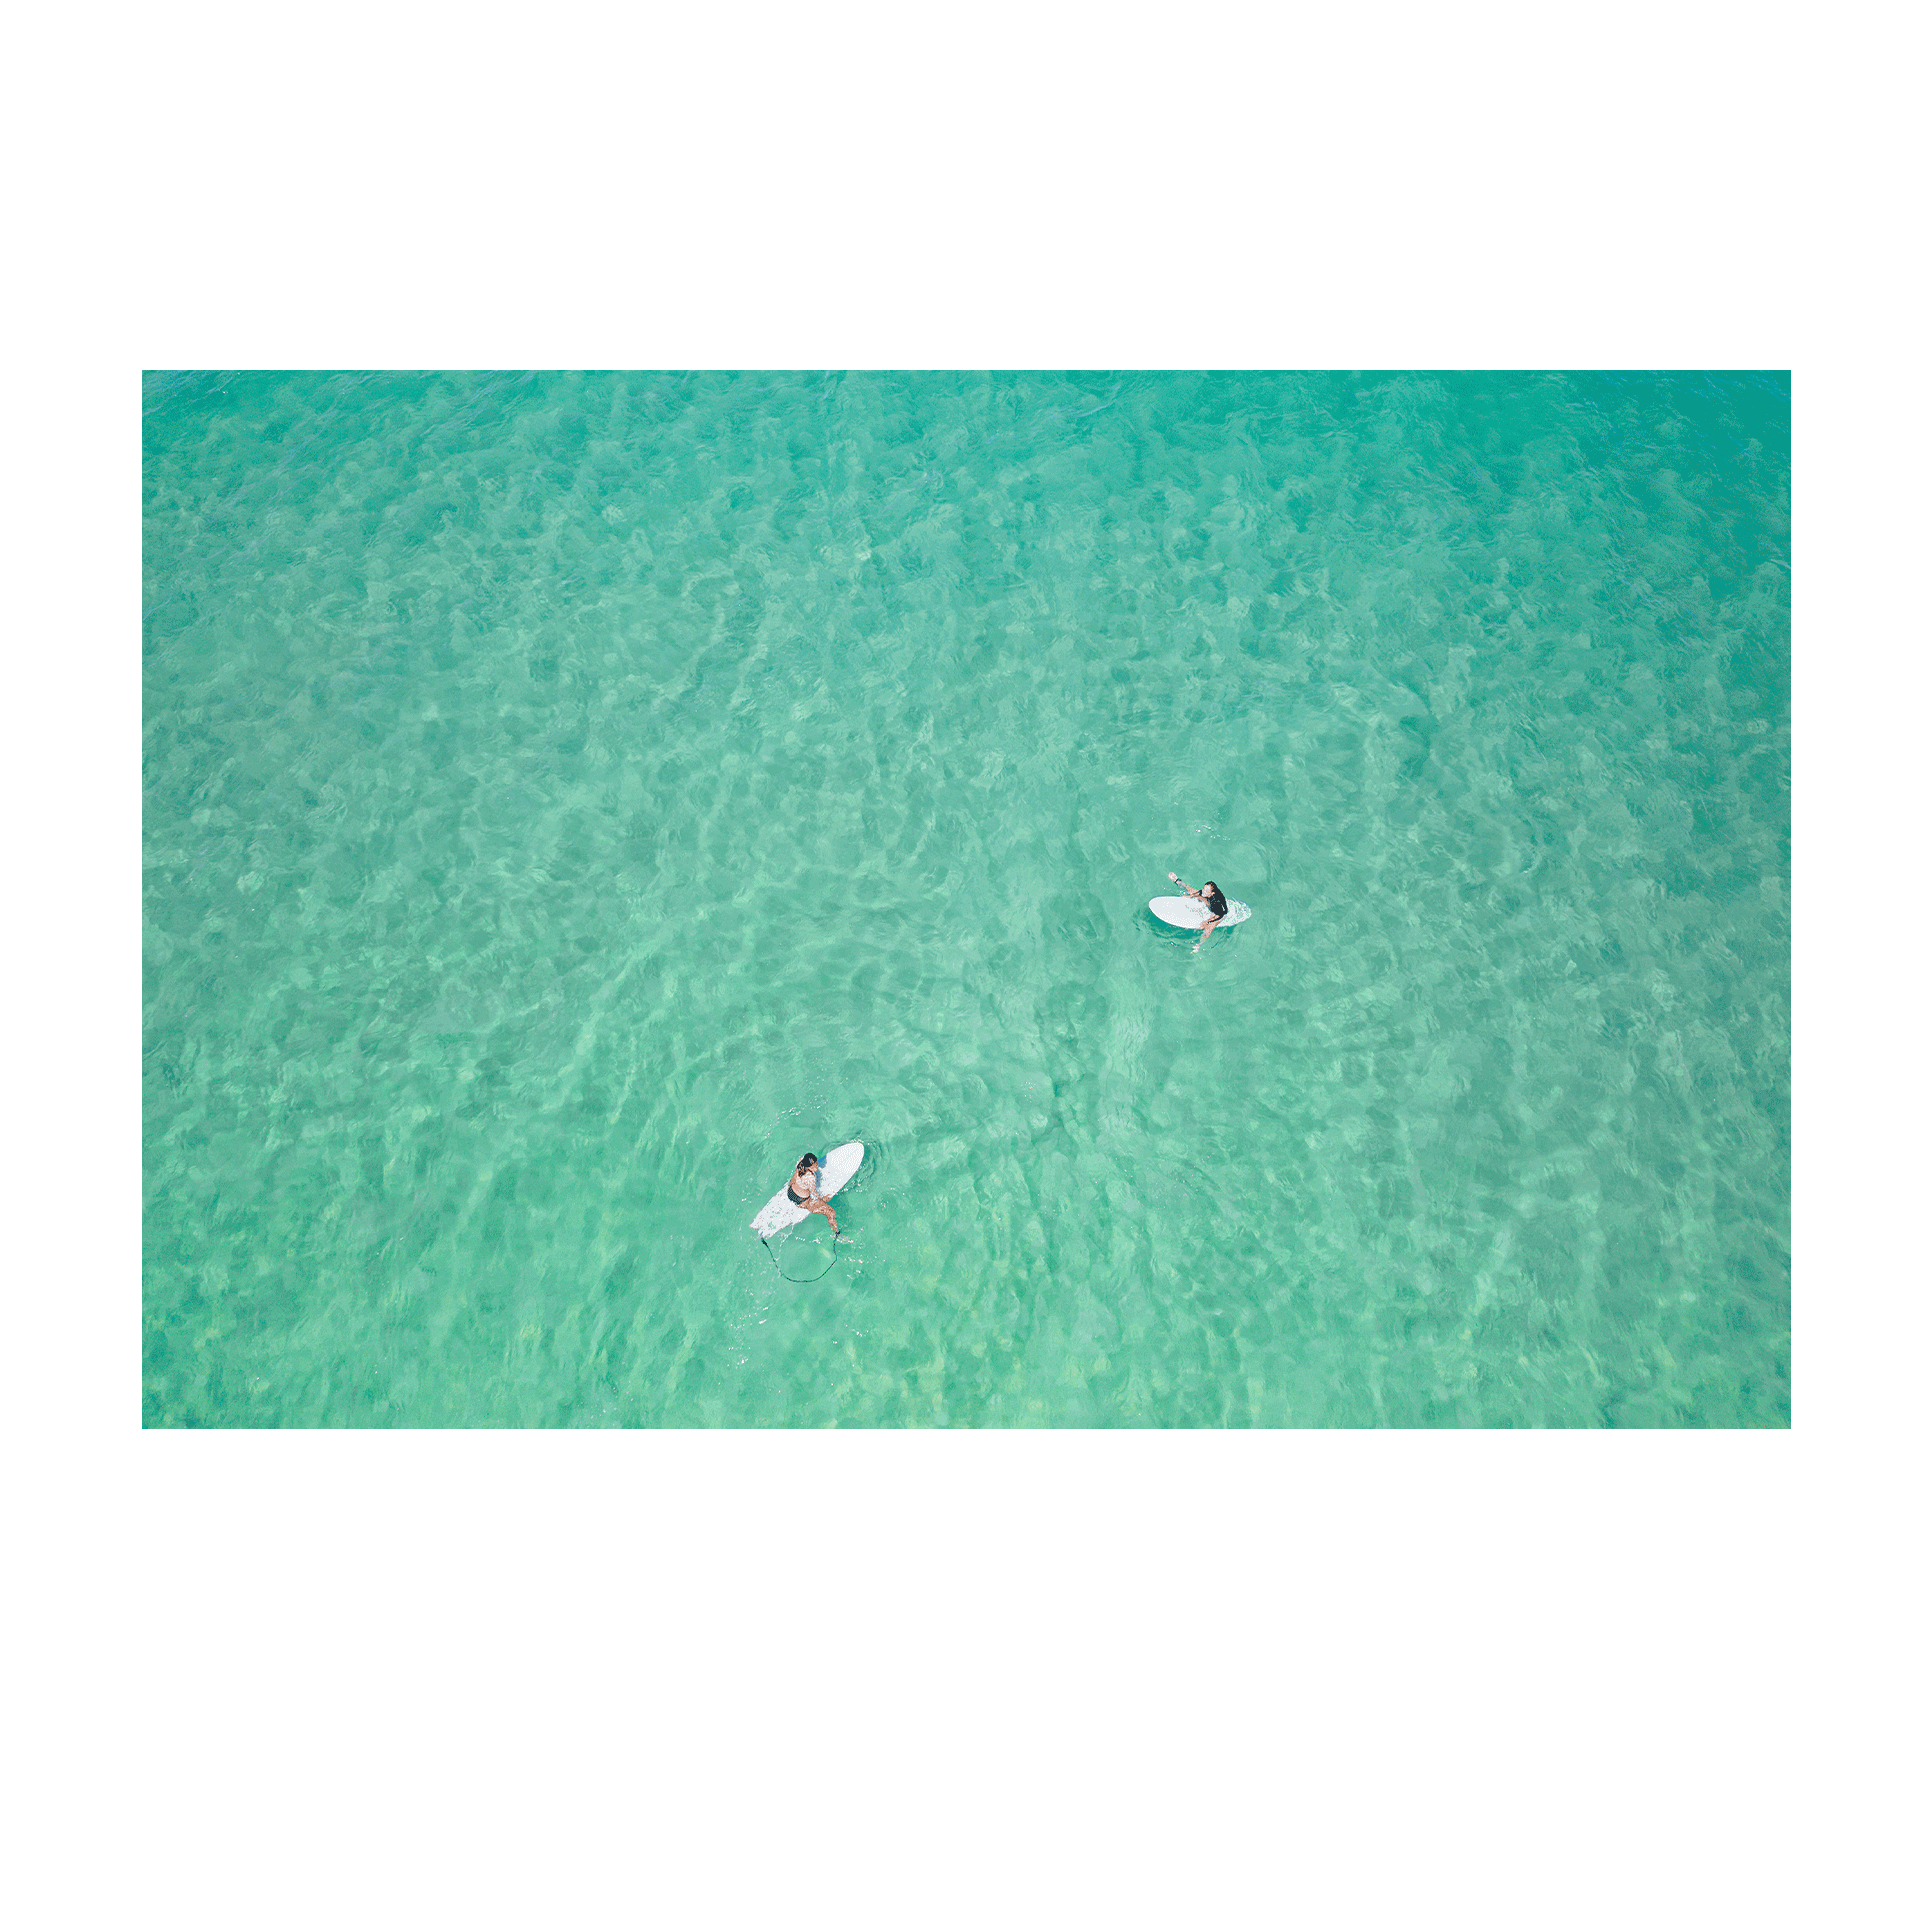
[
  {"x": 1215, "y": 899},
  {"x": 806, "y": 1160}
]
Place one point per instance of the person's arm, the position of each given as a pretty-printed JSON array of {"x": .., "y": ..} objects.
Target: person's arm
[{"x": 1192, "y": 893}]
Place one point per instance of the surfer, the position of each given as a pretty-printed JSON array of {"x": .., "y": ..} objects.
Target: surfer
[
  {"x": 803, "y": 1189},
  {"x": 1211, "y": 899}
]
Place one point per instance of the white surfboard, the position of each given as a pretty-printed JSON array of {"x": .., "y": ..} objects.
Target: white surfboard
[
  {"x": 832, "y": 1174},
  {"x": 1178, "y": 911}
]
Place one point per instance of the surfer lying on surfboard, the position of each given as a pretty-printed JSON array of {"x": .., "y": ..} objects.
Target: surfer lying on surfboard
[
  {"x": 803, "y": 1190},
  {"x": 1211, "y": 898}
]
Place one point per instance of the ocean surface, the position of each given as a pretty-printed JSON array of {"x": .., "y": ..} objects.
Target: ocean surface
[{"x": 569, "y": 797}]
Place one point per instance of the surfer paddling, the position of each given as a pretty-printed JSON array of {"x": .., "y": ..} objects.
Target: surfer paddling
[
  {"x": 803, "y": 1189},
  {"x": 1212, "y": 901}
]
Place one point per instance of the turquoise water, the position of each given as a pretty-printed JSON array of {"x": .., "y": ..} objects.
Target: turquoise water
[{"x": 568, "y": 797}]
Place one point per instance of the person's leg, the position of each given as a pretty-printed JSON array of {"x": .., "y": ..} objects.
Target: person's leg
[{"x": 820, "y": 1206}]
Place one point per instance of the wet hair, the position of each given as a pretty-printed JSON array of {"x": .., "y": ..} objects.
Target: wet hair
[
  {"x": 806, "y": 1160},
  {"x": 1216, "y": 901}
]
